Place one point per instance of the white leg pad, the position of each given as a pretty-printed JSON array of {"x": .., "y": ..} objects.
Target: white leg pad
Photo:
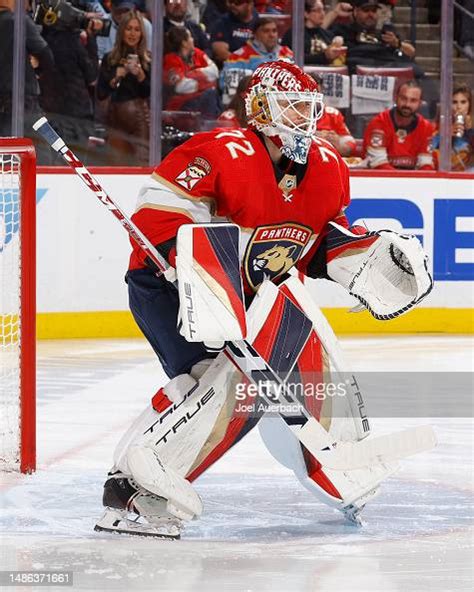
[
  {"x": 356, "y": 486},
  {"x": 150, "y": 473},
  {"x": 179, "y": 433},
  {"x": 134, "y": 433},
  {"x": 282, "y": 443}
]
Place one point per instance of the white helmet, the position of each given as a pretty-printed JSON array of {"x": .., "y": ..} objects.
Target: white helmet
[{"x": 284, "y": 103}]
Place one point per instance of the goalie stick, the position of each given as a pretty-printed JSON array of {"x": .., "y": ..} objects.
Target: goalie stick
[
  {"x": 245, "y": 357},
  {"x": 381, "y": 449}
]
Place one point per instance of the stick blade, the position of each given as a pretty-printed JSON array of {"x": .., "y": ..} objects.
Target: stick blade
[{"x": 343, "y": 456}]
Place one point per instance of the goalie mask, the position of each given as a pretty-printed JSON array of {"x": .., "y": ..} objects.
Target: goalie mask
[{"x": 284, "y": 103}]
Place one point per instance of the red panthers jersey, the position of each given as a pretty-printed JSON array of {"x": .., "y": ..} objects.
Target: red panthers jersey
[
  {"x": 332, "y": 119},
  {"x": 175, "y": 70},
  {"x": 228, "y": 174},
  {"x": 388, "y": 146}
]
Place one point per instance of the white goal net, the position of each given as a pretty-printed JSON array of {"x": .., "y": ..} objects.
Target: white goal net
[{"x": 10, "y": 317}]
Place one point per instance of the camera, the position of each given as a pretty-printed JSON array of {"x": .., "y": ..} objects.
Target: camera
[{"x": 67, "y": 16}]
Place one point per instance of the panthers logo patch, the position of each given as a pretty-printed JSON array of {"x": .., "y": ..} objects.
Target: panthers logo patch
[
  {"x": 377, "y": 139},
  {"x": 273, "y": 250},
  {"x": 193, "y": 173}
]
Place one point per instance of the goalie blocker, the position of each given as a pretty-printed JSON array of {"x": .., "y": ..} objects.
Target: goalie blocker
[{"x": 210, "y": 288}]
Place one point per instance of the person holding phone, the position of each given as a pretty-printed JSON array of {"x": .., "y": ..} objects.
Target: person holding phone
[
  {"x": 321, "y": 46},
  {"x": 124, "y": 81},
  {"x": 369, "y": 46}
]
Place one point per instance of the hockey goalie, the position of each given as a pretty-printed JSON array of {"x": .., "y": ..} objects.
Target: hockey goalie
[{"x": 244, "y": 216}]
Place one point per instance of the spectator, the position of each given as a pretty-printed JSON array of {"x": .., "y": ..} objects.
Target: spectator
[
  {"x": 215, "y": 9},
  {"x": 235, "y": 116},
  {"x": 263, "y": 47},
  {"x": 368, "y": 46},
  {"x": 234, "y": 29},
  {"x": 124, "y": 80},
  {"x": 332, "y": 127},
  {"x": 118, "y": 9},
  {"x": 400, "y": 138},
  {"x": 67, "y": 93},
  {"x": 462, "y": 154},
  {"x": 36, "y": 47},
  {"x": 190, "y": 76},
  {"x": 176, "y": 17},
  {"x": 319, "y": 45}
]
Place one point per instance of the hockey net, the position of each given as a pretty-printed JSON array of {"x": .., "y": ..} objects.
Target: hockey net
[{"x": 17, "y": 305}]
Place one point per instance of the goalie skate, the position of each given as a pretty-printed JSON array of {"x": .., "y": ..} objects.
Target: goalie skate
[
  {"x": 121, "y": 522},
  {"x": 352, "y": 514},
  {"x": 353, "y": 510},
  {"x": 131, "y": 509}
]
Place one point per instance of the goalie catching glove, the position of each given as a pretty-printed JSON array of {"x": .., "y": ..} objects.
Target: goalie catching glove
[{"x": 388, "y": 277}]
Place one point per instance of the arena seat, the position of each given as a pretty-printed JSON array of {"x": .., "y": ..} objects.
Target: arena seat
[{"x": 319, "y": 70}]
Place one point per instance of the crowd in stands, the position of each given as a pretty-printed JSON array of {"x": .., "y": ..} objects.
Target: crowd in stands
[{"x": 90, "y": 73}]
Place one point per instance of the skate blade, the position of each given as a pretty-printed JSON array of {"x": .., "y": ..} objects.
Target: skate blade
[
  {"x": 353, "y": 516},
  {"x": 115, "y": 521},
  {"x": 121, "y": 531}
]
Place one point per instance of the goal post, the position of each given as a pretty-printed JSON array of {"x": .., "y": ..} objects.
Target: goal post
[{"x": 17, "y": 305}]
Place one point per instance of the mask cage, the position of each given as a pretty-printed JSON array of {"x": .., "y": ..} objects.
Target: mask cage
[{"x": 295, "y": 112}]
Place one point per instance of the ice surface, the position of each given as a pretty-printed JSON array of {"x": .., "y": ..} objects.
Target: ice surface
[{"x": 260, "y": 529}]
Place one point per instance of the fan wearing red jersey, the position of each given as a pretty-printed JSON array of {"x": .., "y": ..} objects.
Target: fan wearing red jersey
[
  {"x": 262, "y": 47},
  {"x": 189, "y": 75},
  {"x": 286, "y": 190},
  {"x": 400, "y": 138},
  {"x": 332, "y": 127}
]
